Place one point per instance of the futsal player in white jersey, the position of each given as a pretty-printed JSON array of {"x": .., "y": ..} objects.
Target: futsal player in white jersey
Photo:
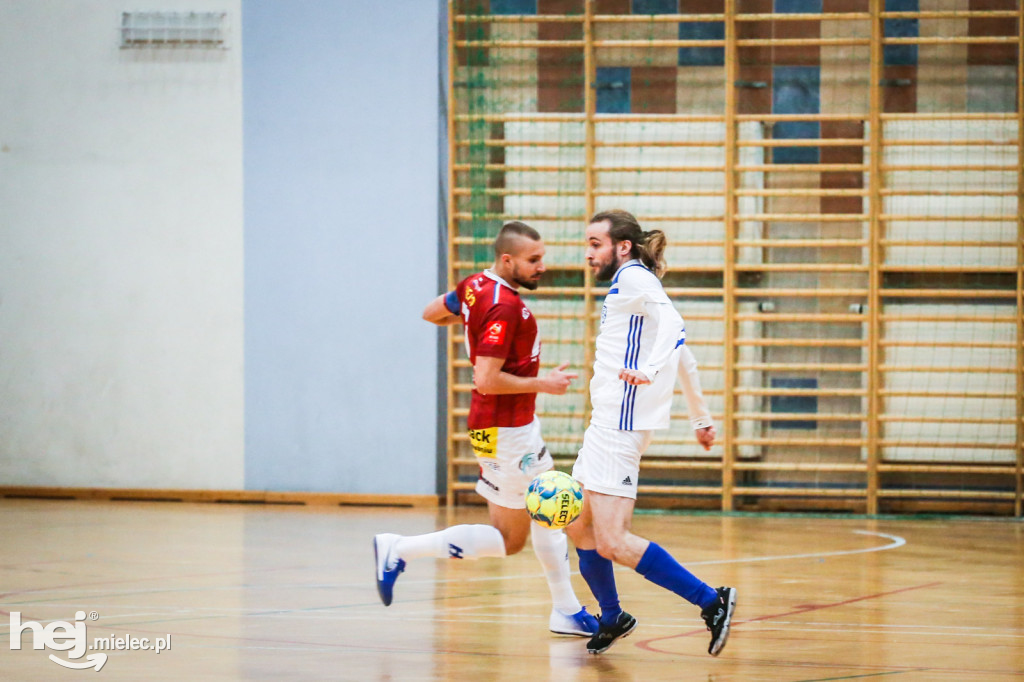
[{"x": 640, "y": 349}]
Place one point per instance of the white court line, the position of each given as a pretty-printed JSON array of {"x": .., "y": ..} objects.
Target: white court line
[{"x": 897, "y": 541}]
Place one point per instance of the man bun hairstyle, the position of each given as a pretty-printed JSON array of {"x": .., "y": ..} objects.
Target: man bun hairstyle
[
  {"x": 648, "y": 247},
  {"x": 509, "y": 233}
]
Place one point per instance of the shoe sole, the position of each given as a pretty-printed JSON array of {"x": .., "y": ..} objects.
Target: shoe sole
[
  {"x": 561, "y": 624},
  {"x": 376, "y": 575},
  {"x": 624, "y": 635},
  {"x": 719, "y": 644},
  {"x": 574, "y": 633}
]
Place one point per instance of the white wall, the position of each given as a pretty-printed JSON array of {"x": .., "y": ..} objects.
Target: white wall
[{"x": 121, "y": 328}]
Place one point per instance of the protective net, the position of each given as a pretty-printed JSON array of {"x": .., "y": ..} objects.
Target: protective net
[{"x": 840, "y": 186}]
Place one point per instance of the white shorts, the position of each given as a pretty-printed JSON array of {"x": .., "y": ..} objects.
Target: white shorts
[
  {"x": 609, "y": 461},
  {"x": 509, "y": 457}
]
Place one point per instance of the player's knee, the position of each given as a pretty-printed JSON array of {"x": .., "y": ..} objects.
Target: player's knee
[
  {"x": 514, "y": 540},
  {"x": 608, "y": 547},
  {"x": 514, "y": 545}
]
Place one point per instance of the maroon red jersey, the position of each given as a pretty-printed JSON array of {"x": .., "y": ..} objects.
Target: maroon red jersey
[{"x": 499, "y": 325}]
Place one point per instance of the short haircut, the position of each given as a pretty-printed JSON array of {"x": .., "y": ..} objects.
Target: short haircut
[{"x": 510, "y": 233}]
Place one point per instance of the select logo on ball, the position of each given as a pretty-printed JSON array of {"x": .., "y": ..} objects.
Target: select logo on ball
[
  {"x": 554, "y": 499},
  {"x": 564, "y": 510}
]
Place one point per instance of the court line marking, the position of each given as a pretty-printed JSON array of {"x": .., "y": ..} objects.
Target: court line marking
[
  {"x": 885, "y": 669},
  {"x": 210, "y": 574},
  {"x": 646, "y": 644},
  {"x": 896, "y": 541},
  {"x": 858, "y": 677}
]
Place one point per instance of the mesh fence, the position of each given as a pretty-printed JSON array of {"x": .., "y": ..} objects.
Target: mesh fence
[{"x": 840, "y": 184}]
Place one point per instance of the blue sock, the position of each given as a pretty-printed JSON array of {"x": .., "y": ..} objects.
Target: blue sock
[
  {"x": 660, "y": 568},
  {"x": 600, "y": 576}
]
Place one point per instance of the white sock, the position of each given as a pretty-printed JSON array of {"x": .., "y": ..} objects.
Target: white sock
[
  {"x": 468, "y": 541},
  {"x": 552, "y": 549}
]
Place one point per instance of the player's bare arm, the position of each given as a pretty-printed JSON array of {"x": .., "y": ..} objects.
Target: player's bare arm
[
  {"x": 489, "y": 379},
  {"x": 438, "y": 313}
]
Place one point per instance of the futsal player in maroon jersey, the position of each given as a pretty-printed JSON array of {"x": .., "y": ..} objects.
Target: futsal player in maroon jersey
[{"x": 504, "y": 349}]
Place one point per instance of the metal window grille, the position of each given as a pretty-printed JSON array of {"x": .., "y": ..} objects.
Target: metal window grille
[{"x": 173, "y": 29}]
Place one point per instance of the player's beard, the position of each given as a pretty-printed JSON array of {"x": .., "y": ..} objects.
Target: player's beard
[
  {"x": 608, "y": 270},
  {"x": 530, "y": 284}
]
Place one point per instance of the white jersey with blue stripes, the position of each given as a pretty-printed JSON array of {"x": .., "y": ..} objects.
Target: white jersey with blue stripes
[{"x": 640, "y": 329}]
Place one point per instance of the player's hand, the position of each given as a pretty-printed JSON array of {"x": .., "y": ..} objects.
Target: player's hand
[
  {"x": 558, "y": 380},
  {"x": 706, "y": 436},
  {"x": 633, "y": 376}
]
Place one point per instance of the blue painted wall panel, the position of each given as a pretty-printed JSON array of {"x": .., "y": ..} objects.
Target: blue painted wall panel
[
  {"x": 655, "y": 6},
  {"x": 341, "y": 205},
  {"x": 900, "y": 55},
  {"x": 798, "y": 6},
  {"x": 794, "y": 403},
  {"x": 796, "y": 90},
  {"x": 613, "y": 90},
  {"x": 701, "y": 30},
  {"x": 513, "y": 6}
]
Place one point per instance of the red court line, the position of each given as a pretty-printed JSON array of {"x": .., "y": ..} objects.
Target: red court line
[{"x": 646, "y": 644}]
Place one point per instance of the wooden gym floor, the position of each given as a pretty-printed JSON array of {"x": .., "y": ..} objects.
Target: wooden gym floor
[{"x": 263, "y": 592}]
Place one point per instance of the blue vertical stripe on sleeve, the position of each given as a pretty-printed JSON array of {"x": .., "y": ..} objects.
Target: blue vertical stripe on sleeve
[
  {"x": 636, "y": 342},
  {"x": 682, "y": 337},
  {"x": 636, "y": 325}
]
